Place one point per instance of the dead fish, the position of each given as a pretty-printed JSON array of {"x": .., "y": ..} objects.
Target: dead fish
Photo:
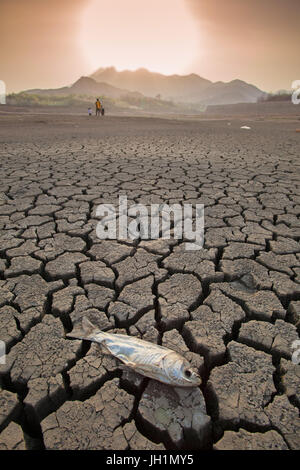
[{"x": 150, "y": 360}]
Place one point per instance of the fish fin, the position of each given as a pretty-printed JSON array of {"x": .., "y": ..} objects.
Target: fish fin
[
  {"x": 130, "y": 365},
  {"x": 144, "y": 368},
  {"x": 76, "y": 333},
  {"x": 88, "y": 329},
  {"x": 104, "y": 349},
  {"x": 125, "y": 361}
]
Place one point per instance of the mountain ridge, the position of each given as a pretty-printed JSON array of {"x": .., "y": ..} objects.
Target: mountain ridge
[
  {"x": 86, "y": 86},
  {"x": 191, "y": 88}
]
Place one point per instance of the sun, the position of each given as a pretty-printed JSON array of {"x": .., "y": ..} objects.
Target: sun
[{"x": 159, "y": 35}]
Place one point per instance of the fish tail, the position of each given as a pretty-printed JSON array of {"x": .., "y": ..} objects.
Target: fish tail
[{"x": 88, "y": 330}]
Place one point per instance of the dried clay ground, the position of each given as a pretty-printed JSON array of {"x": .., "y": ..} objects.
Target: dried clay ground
[{"x": 232, "y": 309}]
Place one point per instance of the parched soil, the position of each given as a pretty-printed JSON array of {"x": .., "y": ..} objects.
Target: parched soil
[{"x": 232, "y": 308}]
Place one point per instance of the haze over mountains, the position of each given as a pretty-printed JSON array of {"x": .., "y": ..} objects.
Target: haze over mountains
[
  {"x": 173, "y": 87},
  {"x": 86, "y": 86},
  {"x": 189, "y": 89},
  {"x": 180, "y": 88}
]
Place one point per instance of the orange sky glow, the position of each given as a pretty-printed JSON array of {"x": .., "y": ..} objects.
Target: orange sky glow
[
  {"x": 159, "y": 35},
  {"x": 51, "y": 43}
]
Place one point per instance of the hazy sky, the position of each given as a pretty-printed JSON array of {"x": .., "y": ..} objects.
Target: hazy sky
[{"x": 51, "y": 43}]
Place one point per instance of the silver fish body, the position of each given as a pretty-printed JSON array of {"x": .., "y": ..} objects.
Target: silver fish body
[{"x": 148, "y": 359}]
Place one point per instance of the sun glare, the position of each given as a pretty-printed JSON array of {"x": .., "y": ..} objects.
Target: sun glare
[{"x": 158, "y": 35}]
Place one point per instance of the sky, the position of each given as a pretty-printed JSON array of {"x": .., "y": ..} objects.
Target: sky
[{"x": 51, "y": 43}]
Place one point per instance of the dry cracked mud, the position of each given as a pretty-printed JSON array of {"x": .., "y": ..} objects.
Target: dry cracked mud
[{"x": 231, "y": 308}]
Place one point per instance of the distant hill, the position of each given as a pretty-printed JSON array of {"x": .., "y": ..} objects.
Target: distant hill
[
  {"x": 188, "y": 92},
  {"x": 281, "y": 95},
  {"x": 232, "y": 92},
  {"x": 86, "y": 86},
  {"x": 180, "y": 88},
  {"x": 84, "y": 92}
]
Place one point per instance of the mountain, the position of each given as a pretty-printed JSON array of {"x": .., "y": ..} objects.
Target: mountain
[
  {"x": 187, "y": 90},
  {"x": 86, "y": 86},
  {"x": 84, "y": 92},
  {"x": 180, "y": 88},
  {"x": 233, "y": 92},
  {"x": 177, "y": 87}
]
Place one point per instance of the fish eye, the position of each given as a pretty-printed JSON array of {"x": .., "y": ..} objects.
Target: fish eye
[{"x": 187, "y": 373}]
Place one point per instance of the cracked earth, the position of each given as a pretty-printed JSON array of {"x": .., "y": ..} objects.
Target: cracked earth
[{"x": 232, "y": 309}]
